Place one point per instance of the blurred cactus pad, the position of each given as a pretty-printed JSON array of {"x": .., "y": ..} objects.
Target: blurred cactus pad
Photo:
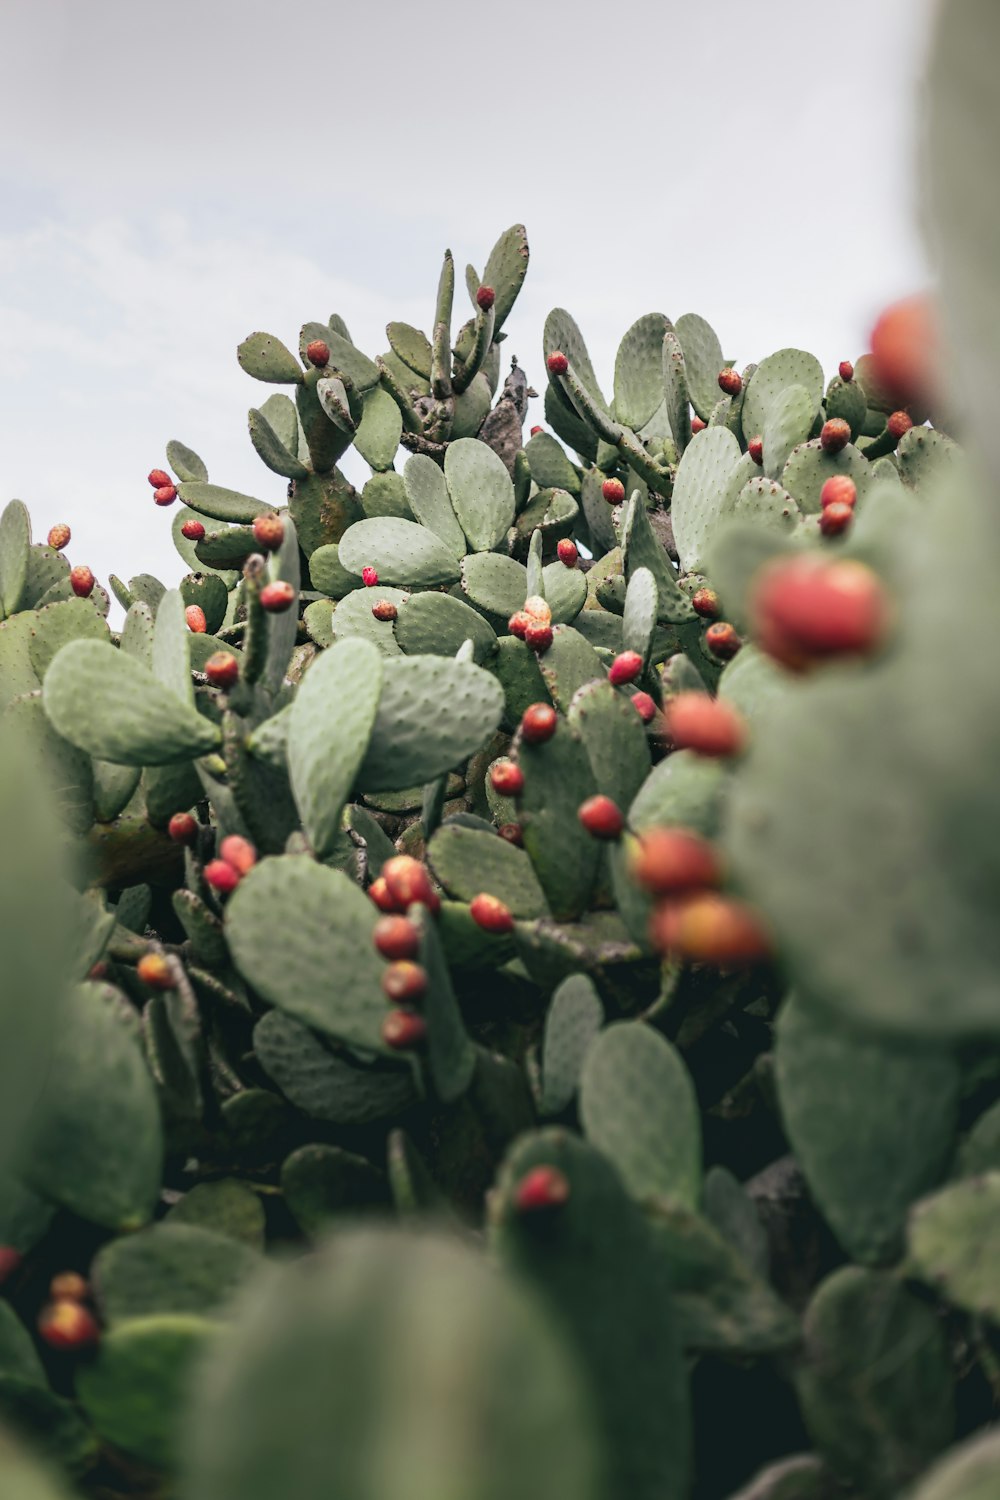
[{"x": 502, "y": 963}]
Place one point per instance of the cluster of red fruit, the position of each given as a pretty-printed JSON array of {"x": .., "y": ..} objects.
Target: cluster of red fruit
[
  {"x": 236, "y": 857},
  {"x": 532, "y": 623},
  {"x": 66, "y": 1321},
  {"x": 81, "y": 579},
  {"x": 692, "y": 919},
  {"x": 403, "y": 883}
]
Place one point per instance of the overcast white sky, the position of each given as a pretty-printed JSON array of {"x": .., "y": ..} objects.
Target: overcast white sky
[{"x": 173, "y": 177}]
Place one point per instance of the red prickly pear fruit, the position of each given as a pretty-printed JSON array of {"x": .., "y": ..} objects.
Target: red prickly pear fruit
[
  {"x": 193, "y": 530},
  {"x": 674, "y": 862},
  {"x": 507, "y": 779},
  {"x": 404, "y": 982},
  {"x": 905, "y": 350},
  {"x": 705, "y": 602},
  {"x": 403, "y": 1030},
  {"x": 155, "y": 970},
  {"x": 269, "y": 532},
  {"x": 369, "y": 577},
  {"x": 846, "y": 371},
  {"x": 709, "y": 726},
  {"x": 165, "y": 495},
  {"x": 697, "y": 425},
  {"x": 835, "y": 518},
  {"x": 834, "y": 435},
  {"x": 318, "y": 353},
  {"x": 536, "y": 608},
  {"x": 98, "y": 971},
  {"x": 709, "y": 928},
  {"x": 645, "y": 707},
  {"x": 489, "y": 913},
  {"x": 239, "y": 853},
  {"x": 81, "y": 581},
  {"x": 722, "y": 640},
  {"x": 567, "y": 553},
  {"x": 59, "y": 536},
  {"x": 730, "y": 381},
  {"x": 613, "y": 491},
  {"x": 839, "y": 489},
  {"x": 222, "y": 669},
  {"x": 557, "y": 363},
  {"x": 535, "y": 430},
  {"x": 626, "y": 667},
  {"x": 518, "y": 623},
  {"x": 804, "y": 610},
  {"x": 538, "y": 723},
  {"x": 541, "y": 1190},
  {"x": 512, "y": 833},
  {"x": 222, "y": 877},
  {"x": 159, "y": 478},
  {"x": 195, "y": 617},
  {"x": 11, "y": 1261},
  {"x": 538, "y": 636},
  {"x": 485, "y": 298},
  {"x": 69, "y": 1286},
  {"x": 68, "y": 1325},
  {"x": 277, "y": 597},
  {"x": 384, "y": 610},
  {"x": 183, "y": 828},
  {"x": 408, "y": 881},
  {"x": 382, "y": 896},
  {"x": 601, "y": 817},
  {"x": 755, "y": 448},
  {"x": 899, "y": 424},
  {"x": 396, "y": 937}
]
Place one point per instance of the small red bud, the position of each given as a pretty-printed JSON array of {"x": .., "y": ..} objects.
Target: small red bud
[
  {"x": 404, "y": 982},
  {"x": 195, "y": 617},
  {"x": 899, "y": 424},
  {"x": 674, "y": 861},
  {"x": 512, "y": 833},
  {"x": 166, "y": 495},
  {"x": 839, "y": 489},
  {"x": 613, "y": 491},
  {"x": 835, "y": 519},
  {"x": 567, "y": 553},
  {"x": 408, "y": 881},
  {"x": 535, "y": 430},
  {"x": 645, "y": 707},
  {"x": 541, "y": 1189},
  {"x": 755, "y": 448},
  {"x": 709, "y": 928},
  {"x": 277, "y": 597},
  {"x": 269, "y": 532},
  {"x": 183, "y": 828},
  {"x": 705, "y": 602},
  {"x": 906, "y": 350},
  {"x": 518, "y": 623},
  {"x": 507, "y": 778},
  {"x": 846, "y": 371},
  {"x": 626, "y": 667},
  {"x": 67, "y": 1325},
  {"x": 369, "y": 577},
  {"x": 318, "y": 353},
  {"x": 59, "y": 537},
  {"x": 382, "y": 896},
  {"x": 159, "y": 478},
  {"x": 69, "y": 1286},
  {"x": 193, "y": 530},
  {"x": 222, "y": 877},
  {"x": 396, "y": 937},
  {"x": 81, "y": 581},
  {"x": 485, "y": 298},
  {"x": 222, "y": 669},
  {"x": 557, "y": 363},
  {"x": 834, "y": 435},
  {"x": 384, "y": 609},
  {"x": 154, "y": 969},
  {"x": 709, "y": 726},
  {"x": 697, "y": 425},
  {"x": 239, "y": 853},
  {"x": 11, "y": 1261},
  {"x": 730, "y": 381},
  {"x": 538, "y": 723},
  {"x": 490, "y": 913},
  {"x": 538, "y": 636},
  {"x": 722, "y": 640},
  {"x": 601, "y": 817},
  {"x": 98, "y": 971},
  {"x": 403, "y": 1030}
]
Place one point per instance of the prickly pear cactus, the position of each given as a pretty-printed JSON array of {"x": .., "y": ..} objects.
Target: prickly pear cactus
[{"x": 501, "y": 959}]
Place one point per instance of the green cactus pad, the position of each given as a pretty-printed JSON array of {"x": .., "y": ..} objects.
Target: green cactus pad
[
  {"x": 170, "y": 1268},
  {"x": 765, "y": 504},
  {"x": 572, "y": 1022},
  {"x": 752, "y": 682},
  {"x": 412, "y": 741},
  {"x": 112, "y": 706},
  {"x": 481, "y": 492},
  {"x": 222, "y": 549},
  {"x": 677, "y": 397},
  {"x": 450, "y": 1054},
  {"x": 221, "y": 504},
  {"x": 700, "y": 489},
  {"x": 925, "y": 457},
  {"x": 565, "y": 591},
  {"x": 773, "y": 375},
  {"x": 557, "y": 779},
  {"x": 321, "y": 1183},
  {"x": 266, "y": 358},
  {"x": 568, "y": 664},
  {"x": 733, "y": 1214},
  {"x": 46, "y": 570},
  {"x": 322, "y": 507},
  {"x": 640, "y": 549},
  {"x": 226, "y": 1207},
  {"x": 639, "y": 371},
  {"x": 471, "y": 408},
  {"x": 969, "y": 1471},
  {"x": 683, "y": 791},
  {"x": 788, "y": 421},
  {"x": 615, "y": 740},
  {"x": 50, "y": 1425},
  {"x": 875, "y": 1387},
  {"x": 505, "y": 270},
  {"x": 565, "y": 422},
  {"x": 872, "y": 1126},
  {"x": 550, "y": 467},
  {"x": 56, "y": 625},
  {"x": 380, "y": 429},
  {"x": 185, "y": 463},
  {"x": 411, "y": 346},
  {"x": 323, "y": 1084},
  {"x": 429, "y": 500},
  {"x": 951, "y": 1236},
  {"x": 437, "y": 624},
  {"x": 329, "y": 575},
  {"x": 95, "y": 1144},
  {"x": 808, "y": 468},
  {"x": 352, "y": 619},
  {"x": 385, "y": 495},
  {"x": 561, "y": 333},
  {"x": 271, "y": 450},
  {"x": 845, "y": 399},
  {"x": 549, "y": 513},
  {"x": 637, "y": 1105},
  {"x": 495, "y": 584},
  {"x": 331, "y": 980},
  {"x": 352, "y": 1406},
  {"x": 15, "y": 547},
  {"x": 401, "y": 552},
  {"x": 596, "y": 1265},
  {"x": 24, "y": 1216},
  {"x": 703, "y": 361},
  {"x": 641, "y": 610},
  {"x": 467, "y": 862},
  {"x": 328, "y": 729}
]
